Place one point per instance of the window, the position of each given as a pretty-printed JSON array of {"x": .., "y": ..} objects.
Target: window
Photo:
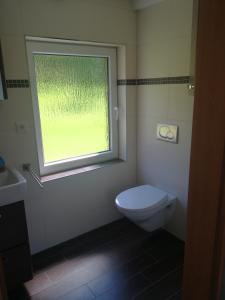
[{"x": 74, "y": 95}]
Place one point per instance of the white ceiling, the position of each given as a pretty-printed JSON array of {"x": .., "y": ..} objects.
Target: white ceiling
[{"x": 139, "y": 4}]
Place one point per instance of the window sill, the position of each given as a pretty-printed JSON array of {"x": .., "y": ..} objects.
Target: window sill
[{"x": 76, "y": 171}]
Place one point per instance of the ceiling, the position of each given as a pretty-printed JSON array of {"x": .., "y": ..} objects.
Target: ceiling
[{"x": 139, "y": 4}]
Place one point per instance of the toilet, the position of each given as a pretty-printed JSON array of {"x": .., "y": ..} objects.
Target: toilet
[{"x": 147, "y": 206}]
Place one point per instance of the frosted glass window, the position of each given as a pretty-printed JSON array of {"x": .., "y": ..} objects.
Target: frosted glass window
[
  {"x": 74, "y": 94},
  {"x": 73, "y": 105}
]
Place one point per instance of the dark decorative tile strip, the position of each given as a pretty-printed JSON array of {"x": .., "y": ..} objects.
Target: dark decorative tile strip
[
  {"x": 127, "y": 82},
  {"x": 164, "y": 80},
  {"x": 24, "y": 83},
  {"x": 153, "y": 81},
  {"x": 17, "y": 83}
]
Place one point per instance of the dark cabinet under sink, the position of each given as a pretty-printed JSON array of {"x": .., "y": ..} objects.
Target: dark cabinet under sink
[{"x": 14, "y": 244}]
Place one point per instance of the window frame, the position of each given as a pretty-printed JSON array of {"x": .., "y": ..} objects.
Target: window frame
[{"x": 66, "y": 48}]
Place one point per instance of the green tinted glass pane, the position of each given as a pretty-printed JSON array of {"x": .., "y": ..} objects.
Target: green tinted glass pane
[{"x": 73, "y": 103}]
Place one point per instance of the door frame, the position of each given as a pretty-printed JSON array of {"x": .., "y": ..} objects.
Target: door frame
[{"x": 205, "y": 243}]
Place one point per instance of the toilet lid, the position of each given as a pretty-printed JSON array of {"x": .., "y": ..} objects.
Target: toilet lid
[{"x": 141, "y": 198}]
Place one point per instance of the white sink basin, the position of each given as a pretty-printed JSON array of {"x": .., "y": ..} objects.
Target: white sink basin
[{"x": 12, "y": 187}]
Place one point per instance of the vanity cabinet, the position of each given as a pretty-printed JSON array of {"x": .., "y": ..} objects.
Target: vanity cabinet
[{"x": 14, "y": 244}]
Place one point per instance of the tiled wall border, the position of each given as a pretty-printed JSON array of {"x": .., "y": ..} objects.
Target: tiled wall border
[
  {"x": 154, "y": 81},
  {"x": 164, "y": 80},
  {"x": 127, "y": 82},
  {"x": 24, "y": 83},
  {"x": 17, "y": 83}
]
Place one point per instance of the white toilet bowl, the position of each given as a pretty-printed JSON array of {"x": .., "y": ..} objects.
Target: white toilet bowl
[{"x": 147, "y": 206}]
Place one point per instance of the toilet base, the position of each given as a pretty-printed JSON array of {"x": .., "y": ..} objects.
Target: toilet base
[{"x": 156, "y": 220}]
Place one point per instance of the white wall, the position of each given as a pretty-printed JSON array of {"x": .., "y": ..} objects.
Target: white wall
[
  {"x": 164, "y": 43},
  {"x": 73, "y": 205}
]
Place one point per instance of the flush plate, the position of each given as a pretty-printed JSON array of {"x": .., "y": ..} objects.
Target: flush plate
[{"x": 168, "y": 133}]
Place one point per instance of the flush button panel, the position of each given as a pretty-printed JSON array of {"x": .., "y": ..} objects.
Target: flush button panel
[{"x": 168, "y": 133}]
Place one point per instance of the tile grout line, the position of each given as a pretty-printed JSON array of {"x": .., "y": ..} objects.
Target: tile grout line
[
  {"x": 173, "y": 295},
  {"x": 124, "y": 236},
  {"x": 156, "y": 282},
  {"x": 93, "y": 294},
  {"x": 167, "y": 274},
  {"x": 131, "y": 276},
  {"x": 65, "y": 258},
  {"x": 58, "y": 282},
  {"x": 105, "y": 244},
  {"x": 84, "y": 284},
  {"x": 138, "y": 273}
]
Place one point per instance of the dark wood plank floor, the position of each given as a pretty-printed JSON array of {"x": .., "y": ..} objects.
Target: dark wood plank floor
[{"x": 116, "y": 262}]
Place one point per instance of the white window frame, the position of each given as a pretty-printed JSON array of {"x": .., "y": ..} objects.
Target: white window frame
[{"x": 61, "y": 47}]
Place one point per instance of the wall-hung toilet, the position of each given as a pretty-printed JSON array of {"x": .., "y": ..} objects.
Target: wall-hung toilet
[{"x": 147, "y": 206}]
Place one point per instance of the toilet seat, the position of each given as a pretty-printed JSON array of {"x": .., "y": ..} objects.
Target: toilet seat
[{"x": 142, "y": 198}]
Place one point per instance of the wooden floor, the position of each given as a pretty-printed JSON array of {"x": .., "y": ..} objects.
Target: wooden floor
[{"x": 116, "y": 262}]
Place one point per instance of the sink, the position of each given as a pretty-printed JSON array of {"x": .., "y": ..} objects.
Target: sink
[{"x": 12, "y": 186}]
